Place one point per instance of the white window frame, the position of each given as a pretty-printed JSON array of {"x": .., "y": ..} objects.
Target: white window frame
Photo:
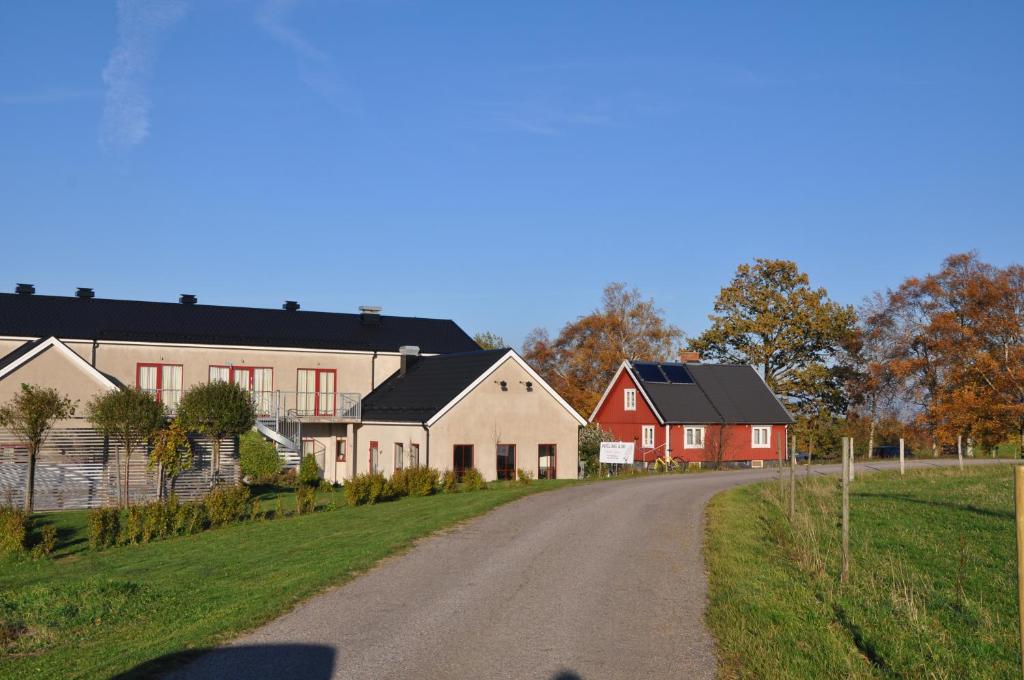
[
  {"x": 629, "y": 399},
  {"x": 698, "y": 441},
  {"x": 399, "y": 455},
  {"x": 414, "y": 455},
  {"x": 767, "y": 440},
  {"x": 646, "y": 441}
]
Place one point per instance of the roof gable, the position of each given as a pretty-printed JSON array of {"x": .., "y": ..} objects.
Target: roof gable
[
  {"x": 21, "y": 356},
  {"x": 166, "y": 322}
]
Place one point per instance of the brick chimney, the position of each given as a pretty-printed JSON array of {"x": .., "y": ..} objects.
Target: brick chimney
[{"x": 687, "y": 356}]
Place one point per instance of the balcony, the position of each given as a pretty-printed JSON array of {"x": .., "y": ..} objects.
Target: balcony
[{"x": 309, "y": 407}]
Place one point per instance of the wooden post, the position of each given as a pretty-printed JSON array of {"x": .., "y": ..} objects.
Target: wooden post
[
  {"x": 792, "y": 484},
  {"x": 778, "y": 454},
  {"x": 845, "y": 574},
  {"x": 901, "y": 456},
  {"x": 960, "y": 450},
  {"x": 853, "y": 468},
  {"x": 1018, "y": 497},
  {"x": 810, "y": 452}
]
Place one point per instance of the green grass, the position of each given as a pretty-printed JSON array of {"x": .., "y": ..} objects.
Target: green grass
[
  {"x": 88, "y": 614},
  {"x": 932, "y": 591}
]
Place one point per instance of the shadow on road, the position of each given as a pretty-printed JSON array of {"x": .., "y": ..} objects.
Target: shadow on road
[
  {"x": 566, "y": 675},
  {"x": 310, "y": 662}
]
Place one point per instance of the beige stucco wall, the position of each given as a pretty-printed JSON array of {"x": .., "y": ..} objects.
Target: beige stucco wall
[
  {"x": 386, "y": 435},
  {"x": 53, "y": 368},
  {"x": 354, "y": 368},
  {"x": 488, "y": 416}
]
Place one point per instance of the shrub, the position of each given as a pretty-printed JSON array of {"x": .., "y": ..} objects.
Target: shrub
[
  {"x": 13, "y": 530},
  {"x": 227, "y": 503},
  {"x": 104, "y": 527},
  {"x": 449, "y": 481},
  {"x": 305, "y": 499},
  {"x": 472, "y": 480},
  {"x": 158, "y": 519},
  {"x": 47, "y": 542},
  {"x": 367, "y": 489},
  {"x": 258, "y": 457},
  {"x": 309, "y": 471},
  {"x": 524, "y": 477},
  {"x": 422, "y": 481},
  {"x": 189, "y": 518},
  {"x": 131, "y": 531},
  {"x": 399, "y": 483}
]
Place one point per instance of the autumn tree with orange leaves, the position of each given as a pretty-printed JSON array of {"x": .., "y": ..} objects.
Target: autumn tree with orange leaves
[{"x": 581, "y": 361}]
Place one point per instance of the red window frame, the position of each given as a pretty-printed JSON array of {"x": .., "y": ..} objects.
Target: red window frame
[
  {"x": 374, "y": 446},
  {"x": 159, "y": 377},
  {"x": 248, "y": 369},
  {"x": 552, "y": 471},
  {"x": 461, "y": 469},
  {"x": 317, "y": 410},
  {"x": 509, "y": 471}
]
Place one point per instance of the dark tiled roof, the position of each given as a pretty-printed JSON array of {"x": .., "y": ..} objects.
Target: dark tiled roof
[
  {"x": 19, "y": 352},
  {"x": 720, "y": 393},
  {"x": 101, "y": 319},
  {"x": 427, "y": 386}
]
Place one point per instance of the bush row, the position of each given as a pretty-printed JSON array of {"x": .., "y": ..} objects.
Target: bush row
[
  {"x": 16, "y": 534},
  {"x": 374, "y": 487}
]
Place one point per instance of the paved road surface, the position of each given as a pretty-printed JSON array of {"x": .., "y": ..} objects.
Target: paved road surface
[{"x": 595, "y": 581}]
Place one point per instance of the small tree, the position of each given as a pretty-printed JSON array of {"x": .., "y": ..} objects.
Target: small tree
[
  {"x": 30, "y": 415},
  {"x": 131, "y": 418},
  {"x": 258, "y": 457},
  {"x": 489, "y": 340},
  {"x": 217, "y": 410},
  {"x": 717, "y": 442},
  {"x": 171, "y": 454},
  {"x": 591, "y": 437}
]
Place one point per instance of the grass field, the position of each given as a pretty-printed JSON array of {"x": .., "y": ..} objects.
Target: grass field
[
  {"x": 88, "y": 614},
  {"x": 932, "y": 591}
]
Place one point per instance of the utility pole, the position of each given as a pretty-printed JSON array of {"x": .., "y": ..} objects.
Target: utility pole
[
  {"x": 853, "y": 468},
  {"x": 847, "y": 460}
]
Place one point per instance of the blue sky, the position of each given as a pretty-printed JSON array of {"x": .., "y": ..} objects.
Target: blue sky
[{"x": 499, "y": 163}]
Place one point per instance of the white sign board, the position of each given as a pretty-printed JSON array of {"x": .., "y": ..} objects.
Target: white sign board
[{"x": 617, "y": 452}]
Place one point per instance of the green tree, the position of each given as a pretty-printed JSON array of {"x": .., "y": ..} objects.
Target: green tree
[
  {"x": 131, "y": 418},
  {"x": 489, "y": 340},
  {"x": 171, "y": 454},
  {"x": 590, "y": 440},
  {"x": 258, "y": 457},
  {"x": 217, "y": 410},
  {"x": 770, "y": 317},
  {"x": 30, "y": 415}
]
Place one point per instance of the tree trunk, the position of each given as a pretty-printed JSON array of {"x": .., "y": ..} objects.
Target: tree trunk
[
  {"x": 935, "y": 449},
  {"x": 871, "y": 438},
  {"x": 117, "y": 468},
  {"x": 127, "y": 473},
  {"x": 160, "y": 481},
  {"x": 30, "y": 479},
  {"x": 215, "y": 460},
  {"x": 960, "y": 450}
]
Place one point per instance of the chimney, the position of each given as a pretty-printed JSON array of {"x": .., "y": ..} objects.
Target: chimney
[
  {"x": 370, "y": 316},
  {"x": 25, "y": 289},
  {"x": 188, "y": 299},
  {"x": 84, "y": 293},
  {"x": 409, "y": 354},
  {"x": 689, "y": 357},
  {"x": 290, "y": 306}
]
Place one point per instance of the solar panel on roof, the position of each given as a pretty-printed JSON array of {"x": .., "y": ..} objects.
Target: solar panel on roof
[
  {"x": 650, "y": 372},
  {"x": 677, "y": 373}
]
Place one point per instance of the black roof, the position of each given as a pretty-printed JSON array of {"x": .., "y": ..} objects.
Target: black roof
[
  {"x": 39, "y": 316},
  {"x": 720, "y": 393},
  {"x": 428, "y": 385}
]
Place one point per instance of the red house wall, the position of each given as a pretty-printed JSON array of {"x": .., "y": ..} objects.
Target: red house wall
[{"x": 626, "y": 426}]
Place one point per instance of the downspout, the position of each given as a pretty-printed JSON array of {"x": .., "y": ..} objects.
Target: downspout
[
  {"x": 95, "y": 344},
  {"x": 354, "y": 450},
  {"x": 373, "y": 371},
  {"x": 427, "y": 430}
]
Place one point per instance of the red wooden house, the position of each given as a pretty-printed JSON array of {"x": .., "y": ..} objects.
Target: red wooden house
[{"x": 694, "y": 412}]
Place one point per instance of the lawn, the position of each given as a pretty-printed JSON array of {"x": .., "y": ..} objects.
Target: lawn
[
  {"x": 86, "y": 614},
  {"x": 932, "y": 591}
]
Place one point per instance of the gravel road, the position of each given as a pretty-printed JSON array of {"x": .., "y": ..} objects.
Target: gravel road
[{"x": 594, "y": 581}]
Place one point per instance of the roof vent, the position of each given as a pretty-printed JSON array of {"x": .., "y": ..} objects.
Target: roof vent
[
  {"x": 369, "y": 315},
  {"x": 290, "y": 306},
  {"x": 409, "y": 354},
  {"x": 188, "y": 299},
  {"x": 25, "y": 289},
  {"x": 409, "y": 350},
  {"x": 85, "y": 293}
]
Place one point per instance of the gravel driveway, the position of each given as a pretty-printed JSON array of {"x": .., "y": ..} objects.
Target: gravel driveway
[{"x": 599, "y": 580}]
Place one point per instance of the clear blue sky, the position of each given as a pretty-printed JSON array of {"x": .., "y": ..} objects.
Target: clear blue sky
[{"x": 499, "y": 163}]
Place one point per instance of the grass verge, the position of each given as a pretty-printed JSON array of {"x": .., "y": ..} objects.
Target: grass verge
[
  {"x": 97, "y": 614},
  {"x": 932, "y": 591}
]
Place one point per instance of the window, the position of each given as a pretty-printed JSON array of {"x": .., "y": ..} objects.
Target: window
[
  {"x": 256, "y": 380},
  {"x": 414, "y": 455},
  {"x": 647, "y": 433},
  {"x": 462, "y": 459},
  {"x": 399, "y": 456},
  {"x": 694, "y": 438},
  {"x": 761, "y": 437},
  {"x": 507, "y": 461},
  {"x": 374, "y": 456},
  {"x": 546, "y": 461},
  {"x": 340, "y": 447},
  {"x": 315, "y": 391},
  {"x": 629, "y": 396},
  {"x": 163, "y": 381}
]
